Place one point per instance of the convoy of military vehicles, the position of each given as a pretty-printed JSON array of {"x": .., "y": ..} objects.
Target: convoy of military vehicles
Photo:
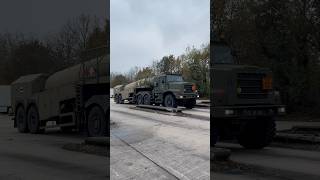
[
  {"x": 169, "y": 90},
  {"x": 74, "y": 98},
  {"x": 244, "y": 103}
]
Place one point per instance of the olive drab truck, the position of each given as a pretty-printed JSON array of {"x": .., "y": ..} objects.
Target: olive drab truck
[
  {"x": 169, "y": 90},
  {"x": 74, "y": 98},
  {"x": 244, "y": 103}
]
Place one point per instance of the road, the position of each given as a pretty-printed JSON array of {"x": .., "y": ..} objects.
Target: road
[
  {"x": 277, "y": 163},
  {"x": 29, "y": 156},
  {"x": 159, "y": 145}
]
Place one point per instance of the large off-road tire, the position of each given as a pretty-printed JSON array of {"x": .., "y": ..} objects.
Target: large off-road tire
[
  {"x": 139, "y": 98},
  {"x": 116, "y": 99},
  {"x": 121, "y": 101},
  {"x": 146, "y": 98},
  {"x": 97, "y": 122},
  {"x": 257, "y": 133},
  {"x": 33, "y": 120},
  {"x": 214, "y": 137},
  {"x": 21, "y": 120},
  {"x": 170, "y": 101},
  {"x": 190, "y": 103}
]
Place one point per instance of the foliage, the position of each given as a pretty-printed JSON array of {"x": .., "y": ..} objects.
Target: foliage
[
  {"x": 21, "y": 54},
  {"x": 193, "y": 65},
  {"x": 282, "y": 35}
]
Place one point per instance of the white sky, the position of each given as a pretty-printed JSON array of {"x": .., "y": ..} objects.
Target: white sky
[{"x": 147, "y": 30}]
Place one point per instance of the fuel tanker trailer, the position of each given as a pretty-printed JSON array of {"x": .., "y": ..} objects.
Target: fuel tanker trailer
[
  {"x": 169, "y": 90},
  {"x": 75, "y": 98}
]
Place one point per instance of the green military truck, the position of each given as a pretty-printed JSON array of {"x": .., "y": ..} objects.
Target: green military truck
[
  {"x": 244, "y": 103},
  {"x": 169, "y": 90},
  {"x": 74, "y": 98}
]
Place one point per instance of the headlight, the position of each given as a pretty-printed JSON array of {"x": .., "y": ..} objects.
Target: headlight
[
  {"x": 281, "y": 110},
  {"x": 181, "y": 97},
  {"x": 229, "y": 112},
  {"x": 276, "y": 93}
]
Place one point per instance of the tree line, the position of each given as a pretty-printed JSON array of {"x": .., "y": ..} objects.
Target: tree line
[
  {"x": 281, "y": 35},
  {"x": 193, "y": 65},
  {"x": 22, "y": 54}
]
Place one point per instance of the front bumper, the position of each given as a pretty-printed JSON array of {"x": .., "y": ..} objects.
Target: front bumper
[
  {"x": 186, "y": 96},
  {"x": 248, "y": 111}
]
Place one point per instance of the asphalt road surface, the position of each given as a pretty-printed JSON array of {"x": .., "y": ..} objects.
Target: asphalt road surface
[
  {"x": 279, "y": 163},
  {"x": 147, "y": 144},
  {"x": 159, "y": 145},
  {"x": 29, "y": 156}
]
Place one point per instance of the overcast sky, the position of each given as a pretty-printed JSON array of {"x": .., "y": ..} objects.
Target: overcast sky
[
  {"x": 40, "y": 17},
  {"x": 145, "y": 30}
]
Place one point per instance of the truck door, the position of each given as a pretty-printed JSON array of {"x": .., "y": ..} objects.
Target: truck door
[{"x": 159, "y": 86}]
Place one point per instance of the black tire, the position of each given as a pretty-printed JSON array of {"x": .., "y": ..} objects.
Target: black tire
[
  {"x": 33, "y": 120},
  {"x": 170, "y": 101},
  {"x": 97, "y": 122},
  {"x": 139, "y": 99},
  {"x": 146, "y": 98},
  {"x": 121, "y": 101},
  {"x": 116, "y": 99},
  {"x": 190, "y": 103},
  {"x": 21, "y": 120},
  {"x": 214, "y": 137},
  {"x": 257, "y": 133}
]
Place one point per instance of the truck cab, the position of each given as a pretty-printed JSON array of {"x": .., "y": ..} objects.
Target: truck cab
[
  {"x": 171, "y": 90},
  {"x": 245, "y": 103}
]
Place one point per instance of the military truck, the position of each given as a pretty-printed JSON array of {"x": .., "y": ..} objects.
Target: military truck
[
  {"x": 244, "y": 102},
  {"x": 169, "y": 90},
  {"x": 74, "y": 98}
]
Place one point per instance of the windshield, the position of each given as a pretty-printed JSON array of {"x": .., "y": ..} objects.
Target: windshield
[
  {"x": 174, "y": 78},
  {"x": 222, "y": 55}
]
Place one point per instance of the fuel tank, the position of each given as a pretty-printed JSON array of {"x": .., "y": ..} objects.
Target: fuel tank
[{"x": 96, "y": 70}]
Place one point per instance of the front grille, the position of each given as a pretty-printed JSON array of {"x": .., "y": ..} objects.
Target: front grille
[
  {"x": 250, "y": 85},
  {"x": 188, "y": 88}
]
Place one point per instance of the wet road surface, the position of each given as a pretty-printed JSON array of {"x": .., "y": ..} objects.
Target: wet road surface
[
  {"x": 157, "y": 145},
  {"x": 40, "y": 156}
]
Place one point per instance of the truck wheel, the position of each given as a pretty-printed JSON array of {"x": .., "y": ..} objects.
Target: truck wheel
[
  {"x": 139, "y": 99},
  {"x": 170, "y": 101},
  {"x": 215, "y": 136},
  {"x": 33, "y": 120},
  {"x": 146, "y": 99},
  {"x": 121, "y": 101},
  {"x": 21, "y": 119},
  {"x": 190, "y": 104},
  {"x": 257, "y": 133},
  {"x": 97, "y": 122},
  {"x": 116, "y": 99}
]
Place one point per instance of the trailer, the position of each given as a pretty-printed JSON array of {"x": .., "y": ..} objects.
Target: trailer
[{"x": 76, "y": 98}]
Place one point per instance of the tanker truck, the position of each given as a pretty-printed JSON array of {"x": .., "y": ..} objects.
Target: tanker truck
[
  {"x": 169, "y": 90},
  {"x": 244, "y": 102},
  {"x": 75, "y": 98}
]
